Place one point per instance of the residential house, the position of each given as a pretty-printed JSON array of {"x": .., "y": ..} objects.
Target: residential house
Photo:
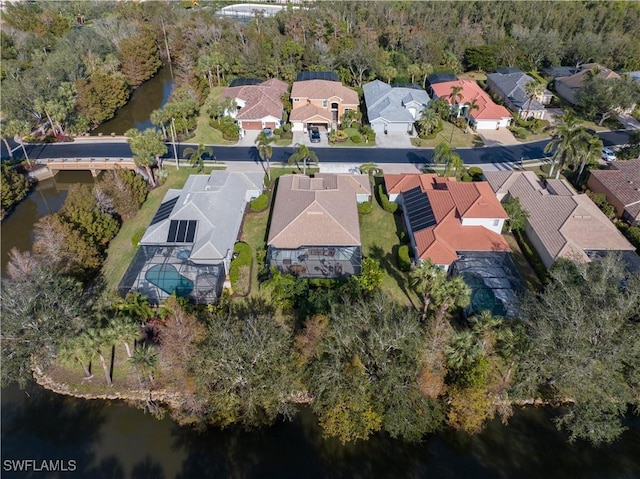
[
  {"x": 446, "y": 218},
  {"x": 440, "y": 77},
  {"x": 259, "y": 106},
  {"x": 320, "y": 103},
  {"x": 487, "y": 116},
  {"x": 567, "y": 87},
  {"x": 188, "y": 246},
  {"x": 393, "y": 109},
  {"x": 621, "y": 185},
  {"x": 315, "y": 229},
  {"x": 561, "y": 222},
  {"x": 509, "y": 84}
]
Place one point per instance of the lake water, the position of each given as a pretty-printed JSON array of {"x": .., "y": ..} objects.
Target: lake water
[
  {"x": 148, "y": 97},
  {"x": 109, "y": 439}
]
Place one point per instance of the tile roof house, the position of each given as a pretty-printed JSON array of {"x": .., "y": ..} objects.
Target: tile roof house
[
  {"x": 320, "y": 103},
  {"x": 568, "y": 86},
  {"x": 561, "y": 223},
  {"x": 188, "y": 246},
  {"x": 509, "y": 85},
  {"x": 315, "y": 229},
  {"x": 488, "y": 116},
  {"x": 621, "y": 185},
  {"x": 445, "y": 218},
  {"x": 393, "y": 109},
  {"x": 259, "y": 106}
]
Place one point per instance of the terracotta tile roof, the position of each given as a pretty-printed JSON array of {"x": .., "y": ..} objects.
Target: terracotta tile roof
[
  {"x": 566, "y": 224},
  {"x": 622, "y": 180},
  {"x": 488, "y": 110},
  {"x": 318, "y": 211},
  {"x": 324, "y": 90},
  {"x": 310, "y": 112},
  {"x": 261, "y": 100},
  {"x": 451, "y": 202}
]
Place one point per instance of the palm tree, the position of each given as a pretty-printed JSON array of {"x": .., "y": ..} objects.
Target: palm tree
[
  {"x": 145, "y": 359},
  {"x": 425, "y": 278},
  {"x": 100, "y": 340},
  {"x": 158, "y": 118},
  {"x": 455, "y": 97},
  {"x": 429, "y": 120},
  {"x": 304, "y": 154},
  {"x": 471, "y": 106},
  {"x": 443, "y": 154},
  {"x": 125, "y": 330},
  {"x": 77, "y": 350},
  {"x": 265, "y": 151},
  {"x": 567, "y": 143},
  {"x": 135, "y": 305},
  {"x": 533, "y": 89},
  {"x": 196, "y": 157},
  {"x": 592, "y": 152}
]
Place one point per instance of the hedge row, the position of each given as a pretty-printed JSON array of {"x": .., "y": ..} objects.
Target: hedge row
[
  {"x": 404, "y": 260},
  {"x": 384, "y": 200},
  {"x": 260, "y": 203}
]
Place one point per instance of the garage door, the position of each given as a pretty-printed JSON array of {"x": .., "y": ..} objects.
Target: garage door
[
  {"x": 252, "y": 125},
  {"x": 378, "y": 128},
  {"x": 270, "y": 124},
  {"x": 397, "y": 128}
]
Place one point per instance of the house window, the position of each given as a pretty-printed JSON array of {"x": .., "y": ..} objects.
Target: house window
[
  {"x": 296, "y": 99},
  {"x": 324, "y": 103},
  {"x": 496, "y": 222}
]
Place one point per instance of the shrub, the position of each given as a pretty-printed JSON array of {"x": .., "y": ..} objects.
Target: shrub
[
  {"x": 466, "y": 178},
  {"x": 404, "y": 261},
  {"x": 367, "y": 132},
  {"x": 384, "y": 200},
  {"x": 287, "y": 135},
  {"x": 600, "y": 199},
  {"x": 241, "y": 267},
  {"x": 632, "y": 233},
  {"x": 356, "y": 138},
  {"x": 286, "y": 127},
  {"x": 532, "y": 256},
  {"x": 229, "y": 129},
  {"x": 519, "y": 132},
  {"x": 404, "y": 237},
  {"x": 137, "y": 236},
  {"x": 365, "y": 208},
  {"x": 260, "y": 203},
  {"x": 475, "y": 172},
  {"x": 539, "y": 125},
  {"x": 338, "y": 136}
]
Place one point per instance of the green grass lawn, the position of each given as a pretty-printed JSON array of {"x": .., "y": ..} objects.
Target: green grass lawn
[
  {"x": 460, "y": 138},
  {"x": 379, "y": 234},
  {"x": 204, "y": 133},
  {"x": 254, "y": 230},
  {"x": 121, "y": 249},
  {"x": 534, "y": 137},
  {"x": 351, "y": 132},
  {"x": 527, "y": 273}
]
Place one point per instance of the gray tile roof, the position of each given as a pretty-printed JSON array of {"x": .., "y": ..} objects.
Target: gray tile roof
[
  {"x": 217, "y": 202},
  {"x": 390, "y": 103},
  {"x": 567, "y": 223},
  {"x": 510, "y": 83}
]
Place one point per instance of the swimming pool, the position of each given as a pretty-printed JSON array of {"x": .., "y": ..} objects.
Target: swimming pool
[{"x": 167, "y": 278}]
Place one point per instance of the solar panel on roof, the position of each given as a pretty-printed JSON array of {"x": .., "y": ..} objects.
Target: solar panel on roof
[
  {"x": 304, "y": 76},
  {"x": 182, "y": 231},
  {"x": 245, "y": 82},
  {"x": 164, "y": 211},
  {"x": 419, "y": 210}
]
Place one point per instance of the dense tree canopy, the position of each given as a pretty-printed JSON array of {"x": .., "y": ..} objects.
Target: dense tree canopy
[
  {"x": 14, "y": 187},
  {"x": 584, "y": 346}
]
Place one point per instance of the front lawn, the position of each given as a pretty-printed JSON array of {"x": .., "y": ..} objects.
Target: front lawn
[
  {"x": 460, "y": 138},
  {"x": 204, "y": 133},
  {"x": 352, "y": 132}
]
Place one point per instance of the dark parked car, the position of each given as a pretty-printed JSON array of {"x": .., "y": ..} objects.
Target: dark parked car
[{"x": 314, "y": 135}]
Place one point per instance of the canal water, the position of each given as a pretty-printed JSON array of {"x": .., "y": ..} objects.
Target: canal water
[
  {"x": 109, "y": 439},
  {"x": 148, "y": 97}
]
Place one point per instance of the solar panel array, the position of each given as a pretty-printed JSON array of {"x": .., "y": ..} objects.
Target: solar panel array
[
  {"x": 419, "y": 209},
  {"x": 304, "y": 76},
  {"x": 182, "y": 231},
  {"x": 245, "y": 82},
  {"x": 164, "y": 211}
]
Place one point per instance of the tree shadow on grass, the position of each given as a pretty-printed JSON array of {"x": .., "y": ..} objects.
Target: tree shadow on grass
[{"x": 387, "y": 261}]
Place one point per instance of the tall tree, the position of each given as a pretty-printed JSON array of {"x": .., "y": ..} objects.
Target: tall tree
[
  {"x": 429, "y": 120},
  {"x": 263, "y": 143},
  {"x": 567, "y": 143},
  {"x": 517, "y": 216},
  {"x": 139, "y": 56},
  {"x": 592, "y": 359},
  {"x": 469, "y": 109},
  {"x": 443, "y": 154},
  {"x": 304, "y": 154},
  {"x": 533, "y": 89},
  {"x": 147, "y": 146},
  {"x": 197, "y": 156}
]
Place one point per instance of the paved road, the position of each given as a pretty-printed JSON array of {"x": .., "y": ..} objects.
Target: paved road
[{"x": 471, "y": 156}]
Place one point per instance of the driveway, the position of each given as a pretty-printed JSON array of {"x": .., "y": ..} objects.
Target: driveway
[
  {"x": 249, "y": 138},
  {"x": 393, "y": 140},
  {"x": 629, "y": 122},
  {"x": 301, "y": 138},
  {"x": 497, "y": 137}
]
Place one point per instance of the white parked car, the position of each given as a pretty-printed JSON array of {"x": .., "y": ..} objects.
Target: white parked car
[{"x": 608, "y": 155}]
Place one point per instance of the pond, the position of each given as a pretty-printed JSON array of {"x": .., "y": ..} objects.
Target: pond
[{"x": 149, "y": 96}]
